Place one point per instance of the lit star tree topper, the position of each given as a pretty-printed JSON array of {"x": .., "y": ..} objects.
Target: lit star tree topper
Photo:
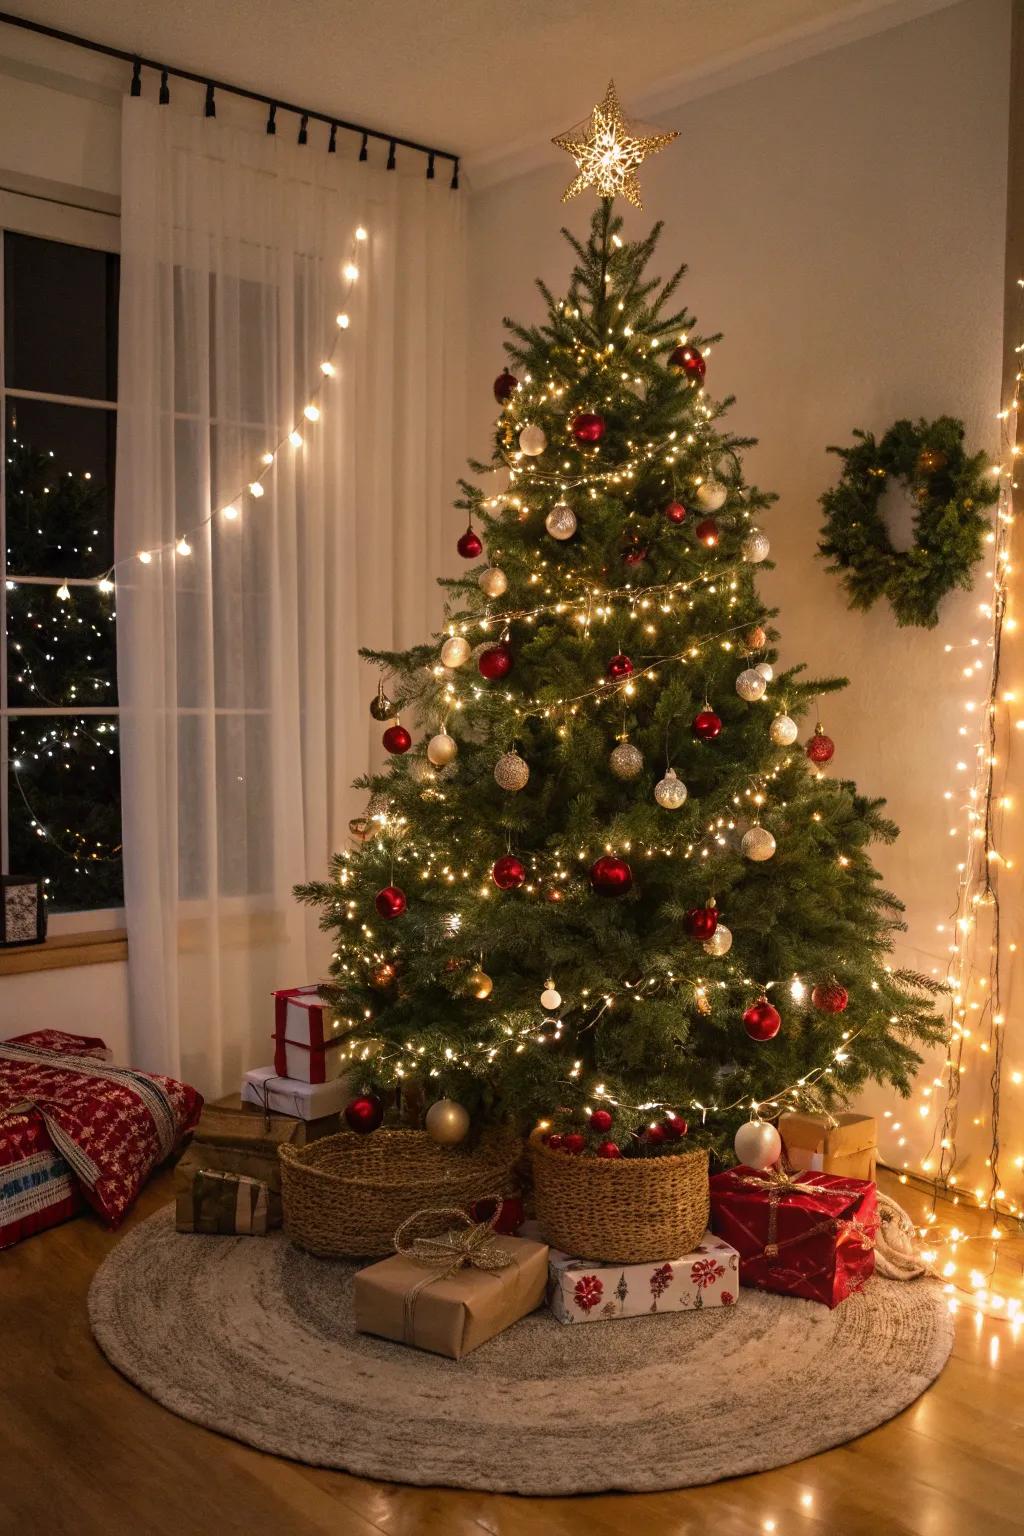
[{"x": 608, "y": 149}]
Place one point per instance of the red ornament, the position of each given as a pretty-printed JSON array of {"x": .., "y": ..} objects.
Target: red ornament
[
  {"x": 496, "y": 662},
  {"x": 655, "y": 1135},
  {"x": 505, "y": 1216},
  {"x": 611, "y": 876},
  {"x": 675, "y": 1126},
  {"x": 364, "y": 1114},
  {"x": 505, "y": 386},
  {"x": 706, "y": 725},
  {"x": 390, "y": 902},
  {"x": 761, "y": 1021},
  {"x": 470, "y": 545},
  {"x": 609, "y": 1149},
  {"x": 820, "y": 748},
  {"x": 634, "y": 554},
  {"x": 574, "y": 1143},
  {"x": 675, "y": 512},
  {"x": 588, "y": 427},
  {"x": 701, "y": 922},
  {"x": 619, "y": 666},
  {"x": 707, "y": 532},
  {"x": 688, "y": 361},
  {"x": 508, "y": 872},
  {"x": 830, "y": 997},
  {"x": 397, "y": 739},
  {"x": 601, "y": 1120},
  {"x": 555, "y": 1142}
]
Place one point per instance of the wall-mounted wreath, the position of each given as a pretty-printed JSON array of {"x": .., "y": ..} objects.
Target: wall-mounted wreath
[{"x": 950, "y": 489}]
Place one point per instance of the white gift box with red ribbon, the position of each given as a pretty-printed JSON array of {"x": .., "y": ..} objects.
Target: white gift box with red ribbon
[{"x": 307, "y": 1037}]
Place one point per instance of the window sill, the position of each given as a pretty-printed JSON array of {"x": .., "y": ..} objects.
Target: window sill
[{"x": 63, "y": 950}]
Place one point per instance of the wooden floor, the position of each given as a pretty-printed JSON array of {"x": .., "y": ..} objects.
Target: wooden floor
[{"x": 83, "y": 1453}]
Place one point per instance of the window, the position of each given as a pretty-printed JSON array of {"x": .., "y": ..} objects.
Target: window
[{"x": 60, "y": 791}]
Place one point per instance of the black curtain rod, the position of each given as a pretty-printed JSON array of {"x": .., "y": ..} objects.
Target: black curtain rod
[{"x": 139, "y": 62}]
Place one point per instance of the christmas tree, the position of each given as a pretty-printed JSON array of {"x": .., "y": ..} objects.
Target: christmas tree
[{"x": 610, "y": 874}]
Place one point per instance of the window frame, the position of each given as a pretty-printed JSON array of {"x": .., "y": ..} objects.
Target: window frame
[{"x": 66, "y": 224}]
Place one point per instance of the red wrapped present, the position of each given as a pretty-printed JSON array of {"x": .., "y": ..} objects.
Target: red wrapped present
[
  {"x": 307, "y": 1036},
  {"x": 806, "y": 1234}
]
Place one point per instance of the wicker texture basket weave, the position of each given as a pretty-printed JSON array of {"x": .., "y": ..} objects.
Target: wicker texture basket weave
[
  {"x": 628, "y": 1210},
  {"x": 344, "y": 1196}
]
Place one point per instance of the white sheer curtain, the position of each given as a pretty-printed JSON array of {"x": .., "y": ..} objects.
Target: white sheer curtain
[{"x": 243, "y": 701}]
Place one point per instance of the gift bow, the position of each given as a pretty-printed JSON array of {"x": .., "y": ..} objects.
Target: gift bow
[
  {"x": 778, "y": 1182},
  {"x": 473, "y": 1246}
]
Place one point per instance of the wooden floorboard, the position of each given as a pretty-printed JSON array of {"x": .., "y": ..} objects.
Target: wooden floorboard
[{"x": 83, "y": 1453}]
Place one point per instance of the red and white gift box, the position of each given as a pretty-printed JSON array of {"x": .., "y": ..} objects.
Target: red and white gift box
[
  {"x": 307, "y": 1038},
  {"x": 580, "y": 1291}
]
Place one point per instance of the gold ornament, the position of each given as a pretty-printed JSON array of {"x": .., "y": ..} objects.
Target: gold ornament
[
  {"x": 383, "y": 976},
  {"x": 608, "y": 149},
  {"x": 511, "y": 772},
  {"x": 456, "y": 651},
  {"x": 492, "y": 581},
  {"x": 626, "y": 761},
  {"x": 442, "y": 749},
  {"x": 447, "y": 1122},
  {"x": 480, "y": 984}
]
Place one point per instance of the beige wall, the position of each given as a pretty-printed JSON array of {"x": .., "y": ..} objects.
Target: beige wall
[{"x": 844, "y": 222}]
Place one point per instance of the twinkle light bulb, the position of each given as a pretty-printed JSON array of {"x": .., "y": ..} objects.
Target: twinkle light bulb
[
  {"x": 312, "y": 413},
  {"x": 256, "y": 490},
  {"x": 295, "y": 438}
]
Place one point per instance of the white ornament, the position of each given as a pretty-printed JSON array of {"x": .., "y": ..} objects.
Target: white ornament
[
  {"x": 456, "y": 651},
  {"x": 670, "y": 792},
  {"x": 750, "y": 685},
  {"x": 766, "y": 670},
  {"x": 757, "y": 845},
  {"x": 511, "y": 772},
  {"x": 720, "y": 941},
  {"x": 550, "y": 998},
  {"x": 447, "y": 1122},
  {"x": 561, "y": 521},
  {"x": 711, "y": 494},
  {"x": 532, "y": 441},
  {"x": 784, "y": 731},
  {"x": 492, "y": 581},
  {"x": 442, "y": 749},
  {"x": 626, "y": 761},
  {"x": 758, "y": 1144},
  {"x": 756, "y": 546}
]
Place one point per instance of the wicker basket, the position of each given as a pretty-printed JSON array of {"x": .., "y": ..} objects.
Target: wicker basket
[
  {"x": 628, "y": 1210},
  {"x": 345, "y": 1196}
]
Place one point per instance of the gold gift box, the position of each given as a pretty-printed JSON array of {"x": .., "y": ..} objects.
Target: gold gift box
[
  {"x": 845, "y": 1143},
  {"x": 454, "y": 1314}
]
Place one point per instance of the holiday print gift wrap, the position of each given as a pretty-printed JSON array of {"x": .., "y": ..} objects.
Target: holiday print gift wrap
[
  {"x": 808, "y": 1234},
  {"x": 451, "y": 1292},
  {"x": 223, "y": 1204},
  {"x": 582, "y": 1292}
]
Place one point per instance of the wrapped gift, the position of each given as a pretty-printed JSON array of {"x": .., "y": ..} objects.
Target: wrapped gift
[
  {"x": 583, "y": 1292},
  {"x": 228, "y": 1122},
  {"x": 846, "y": 1144},
  {"x": 254, "y": 1163},
  {"x": 275, "y": 1094},
  {"x": 808, "y": 1234},
  {"x": 227, "y": 1204},
  {"x": 307, "y": 1036},
  {"x": 451, "y": 1292}
]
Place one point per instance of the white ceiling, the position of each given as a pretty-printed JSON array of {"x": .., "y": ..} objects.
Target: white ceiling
[{"x": 476, "y": 76}]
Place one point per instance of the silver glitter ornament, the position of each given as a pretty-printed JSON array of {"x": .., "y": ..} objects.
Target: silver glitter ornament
[
  {"x": 492, "y": 581},
  {"x": 750, "y": 685},
  {"x": 720, "y": 941},
  {"x": 511, "y": 772},
  {"x": 626, "y": 761},
  {"x": 532, "y": 441},
  {"x": 561, "y": 521},
  {"x": 756, "y": 546},
  {"x": 711, "y": 494},
  {"x": 442, "y": 749},
  {"x": 670, "y": 792},
  {"x": 757, "y": 845},
  {"x": 784, "y": 731},
  {"x": 766, "y": 670},
  {"x": 447, "y": 1122},
  {"x": 456, "y": 651}
]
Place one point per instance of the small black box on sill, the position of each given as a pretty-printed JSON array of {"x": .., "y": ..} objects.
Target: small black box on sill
[{"x": 22, "y": 910}]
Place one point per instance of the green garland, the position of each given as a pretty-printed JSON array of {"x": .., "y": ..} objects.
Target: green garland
[{"x": 950, "y": 489}]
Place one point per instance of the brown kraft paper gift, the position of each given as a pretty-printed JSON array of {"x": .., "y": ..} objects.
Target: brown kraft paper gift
[
  {"x": 259, "y": 1165},
  {"x": 456, "y": 1313},
  {"x": 845, "y": 1144},
  {"x": 229, "y": 1122}
]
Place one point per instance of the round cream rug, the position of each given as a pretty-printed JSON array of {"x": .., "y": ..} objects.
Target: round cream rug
[{"x": 251, "y": 1337}]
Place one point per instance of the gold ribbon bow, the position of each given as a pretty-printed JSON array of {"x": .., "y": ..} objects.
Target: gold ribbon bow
[{"x": 474, "y": 1245}]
